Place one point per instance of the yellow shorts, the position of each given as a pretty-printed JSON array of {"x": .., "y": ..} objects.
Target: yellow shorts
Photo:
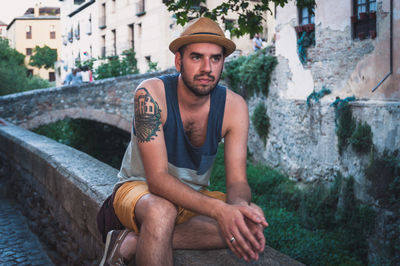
[{"x": 129, "y": 193}]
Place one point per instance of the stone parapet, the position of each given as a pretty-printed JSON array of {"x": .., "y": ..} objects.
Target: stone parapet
[{"x": 66, "y": 188}]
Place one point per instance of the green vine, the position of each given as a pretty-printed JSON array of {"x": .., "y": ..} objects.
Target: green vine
[
  {"x": 251, "y": 74},
  {"x": 260, "y": 121},
  {"x": 317, "y": 95}
]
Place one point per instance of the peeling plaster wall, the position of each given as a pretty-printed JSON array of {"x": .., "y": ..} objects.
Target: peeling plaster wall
[{"x": 302, "y": 140}]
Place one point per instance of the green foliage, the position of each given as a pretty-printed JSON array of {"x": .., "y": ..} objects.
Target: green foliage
[
  {"x": 116, "y": 66},
  {"x": 317, "y": 95},
  {"x": 85, "y": 64},
  {"x": 13, "y": 77},
  {"x": 306, "y": 40},
  {"x": 384, "y": 174},
  {"x": 260, "y": 121},
  {"x": 43, "y": 57},
  {"x": 345, "y": 127},
  {"x": 251, "y": 74},
  {"x": 152, "y": 66},
  {"x": 319, "y": 225},
  {"x": 249, "y": 19},
  {"x": 361, "y": 139},
  {"x": 104, "y": 142}
]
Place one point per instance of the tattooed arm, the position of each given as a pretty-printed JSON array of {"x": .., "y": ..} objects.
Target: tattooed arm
[{"x": 150, "y": 113}]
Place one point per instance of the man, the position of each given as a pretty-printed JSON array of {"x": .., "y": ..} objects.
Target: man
[
  {"x": 73, "y": 78},
  {"x": 257, "y": 42},
  {"x": 179, "y": 119}
]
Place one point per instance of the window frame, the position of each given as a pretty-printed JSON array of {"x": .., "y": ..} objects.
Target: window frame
[{"x": 364, "y": 21}]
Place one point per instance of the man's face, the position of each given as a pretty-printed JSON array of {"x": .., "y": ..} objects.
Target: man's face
[{"x": 200, "y": 66}]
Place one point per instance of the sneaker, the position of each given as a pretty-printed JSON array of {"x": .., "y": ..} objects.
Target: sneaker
[{"x": 111, "y": 252}]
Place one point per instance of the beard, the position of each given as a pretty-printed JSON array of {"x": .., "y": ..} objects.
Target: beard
[{"x": 199, "y": 90}]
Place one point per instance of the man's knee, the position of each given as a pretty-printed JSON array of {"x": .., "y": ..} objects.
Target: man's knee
[{"x": 155, "y": 212}]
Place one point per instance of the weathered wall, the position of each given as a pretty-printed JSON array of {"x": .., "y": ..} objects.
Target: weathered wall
[
  {"x": 344, "y": 65},
  {"x": 109, "y": 101},
  {"x": 68, "y": 187}
]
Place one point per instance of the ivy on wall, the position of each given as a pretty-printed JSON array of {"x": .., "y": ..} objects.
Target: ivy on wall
[
  {"x": 248, "y": 75},
  {"x": 260, "y": 121},
  {"x": 349, "y": 130}
]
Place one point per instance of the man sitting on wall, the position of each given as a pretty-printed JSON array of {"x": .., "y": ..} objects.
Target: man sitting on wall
[{"x": 162, "y": 198}]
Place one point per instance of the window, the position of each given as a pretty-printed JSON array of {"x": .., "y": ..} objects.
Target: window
[
  {"x": 364, "y": 19},
  {"x": 52, "y": 32},
  {"x": 114, "y": 35},
  {"x": 102, "y": 19},
  {"x": 306, "y": 16},
  {"x": 28, "y": 30},
  {"x": 89, "y": 25},
  {"x": 78, "y": 32},
  {"x": 52, "y": 76},
  {"x": 28, "y": 51},
  {"x": 103, "y": 46},
  {"x": 113, "y": 7},
  {"x": 131, "y": 29},
  {"x": 140, "y": 8}
]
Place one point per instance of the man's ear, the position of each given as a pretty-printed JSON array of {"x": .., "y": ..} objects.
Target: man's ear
[{"x": 178, "y": 61}]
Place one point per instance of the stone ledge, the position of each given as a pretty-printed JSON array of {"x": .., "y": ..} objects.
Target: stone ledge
[{"x": 76, "y": 184}]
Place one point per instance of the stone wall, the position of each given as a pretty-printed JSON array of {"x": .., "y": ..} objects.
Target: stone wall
[
  {"x": 108, "y": 101},
  {"x": 61, "y": 190}
]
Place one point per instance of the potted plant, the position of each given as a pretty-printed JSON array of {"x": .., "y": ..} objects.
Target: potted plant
[
  {"x": 309, "y": 27},
  {"x": 363, "y": 16},
  {"x": 361, "y": 35},
  {"x": 298, "y": 29},
  {"x": 372, "y": 33},
  {"x": 354, "y": 19},
  {"x": 372, "y": 15}
]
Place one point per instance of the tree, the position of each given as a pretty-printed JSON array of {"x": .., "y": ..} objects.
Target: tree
[
  {"x": 118, "y": 66},
  {"x": 250, "y": 15},
  {"x": 43, "y": 57},
  {"x": 13, "y": 72}
]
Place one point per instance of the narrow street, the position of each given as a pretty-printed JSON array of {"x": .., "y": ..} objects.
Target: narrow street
[{"x": 18, "y": 245}]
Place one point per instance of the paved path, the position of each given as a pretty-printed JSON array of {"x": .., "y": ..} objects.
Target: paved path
[{"x": 18, "y": 245}]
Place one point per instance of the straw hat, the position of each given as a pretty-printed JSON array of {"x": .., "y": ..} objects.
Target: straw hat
[{"x": 203, "y": 30}]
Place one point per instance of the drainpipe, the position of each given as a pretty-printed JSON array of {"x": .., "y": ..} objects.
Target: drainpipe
[{"x": 391, "y": 48}]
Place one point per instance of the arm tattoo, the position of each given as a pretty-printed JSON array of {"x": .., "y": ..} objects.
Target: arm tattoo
[{"x": 147, "y": 116}]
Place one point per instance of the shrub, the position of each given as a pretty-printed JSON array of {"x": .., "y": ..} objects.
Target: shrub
[
  {"x": 319, "y": 225},
  {"x": 251, "y": 74},
  {"x": 345, "y": 127},
  {"x": 361, "y": 139},
  {"x": 116, "y": 66},
  {"x": 260, "y": 121}
]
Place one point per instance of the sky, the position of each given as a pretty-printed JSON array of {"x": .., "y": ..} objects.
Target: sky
[{"x": 10, "y": 9}]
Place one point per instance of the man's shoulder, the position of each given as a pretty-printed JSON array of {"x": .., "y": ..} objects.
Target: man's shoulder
[{"x": 234, "y": 102}]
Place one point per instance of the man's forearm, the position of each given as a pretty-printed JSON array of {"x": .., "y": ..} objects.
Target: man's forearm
[{"x": 238, "y": 193}]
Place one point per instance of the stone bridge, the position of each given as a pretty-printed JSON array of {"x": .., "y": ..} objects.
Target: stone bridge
[{"x": 65, "y": 186}]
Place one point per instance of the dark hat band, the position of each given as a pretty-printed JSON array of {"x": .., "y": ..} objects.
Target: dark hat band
[{"x": 209, "y": 33}]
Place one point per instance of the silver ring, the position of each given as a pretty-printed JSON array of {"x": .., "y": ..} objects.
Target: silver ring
[{"x": 232, "y": 239}]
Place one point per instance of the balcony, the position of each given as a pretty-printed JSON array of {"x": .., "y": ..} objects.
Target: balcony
[{"x": 102, "y": 22}]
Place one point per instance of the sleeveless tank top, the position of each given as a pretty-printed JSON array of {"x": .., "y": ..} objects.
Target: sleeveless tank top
[{"x": 190, "y": 164}]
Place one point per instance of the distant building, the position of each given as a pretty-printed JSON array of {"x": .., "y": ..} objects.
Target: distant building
[
  {"x": 3, "y": 29},
  {"x": 117, "y": 25},
  {"x": 39, "y": 26},
  {"x": 80, "y": 38}
]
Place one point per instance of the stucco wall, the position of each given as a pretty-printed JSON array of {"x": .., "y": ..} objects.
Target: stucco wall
[{"x": 344, "y": 65}]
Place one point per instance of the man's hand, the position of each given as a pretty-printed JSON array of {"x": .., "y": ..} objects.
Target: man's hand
[{"x": 245, "y": 239}]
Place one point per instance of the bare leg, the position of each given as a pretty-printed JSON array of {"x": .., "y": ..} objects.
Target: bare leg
[
  {"x": 158, "y": 233},
  {"x": 156, "y": 217},
  {"x": 200, "y": 232}
]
